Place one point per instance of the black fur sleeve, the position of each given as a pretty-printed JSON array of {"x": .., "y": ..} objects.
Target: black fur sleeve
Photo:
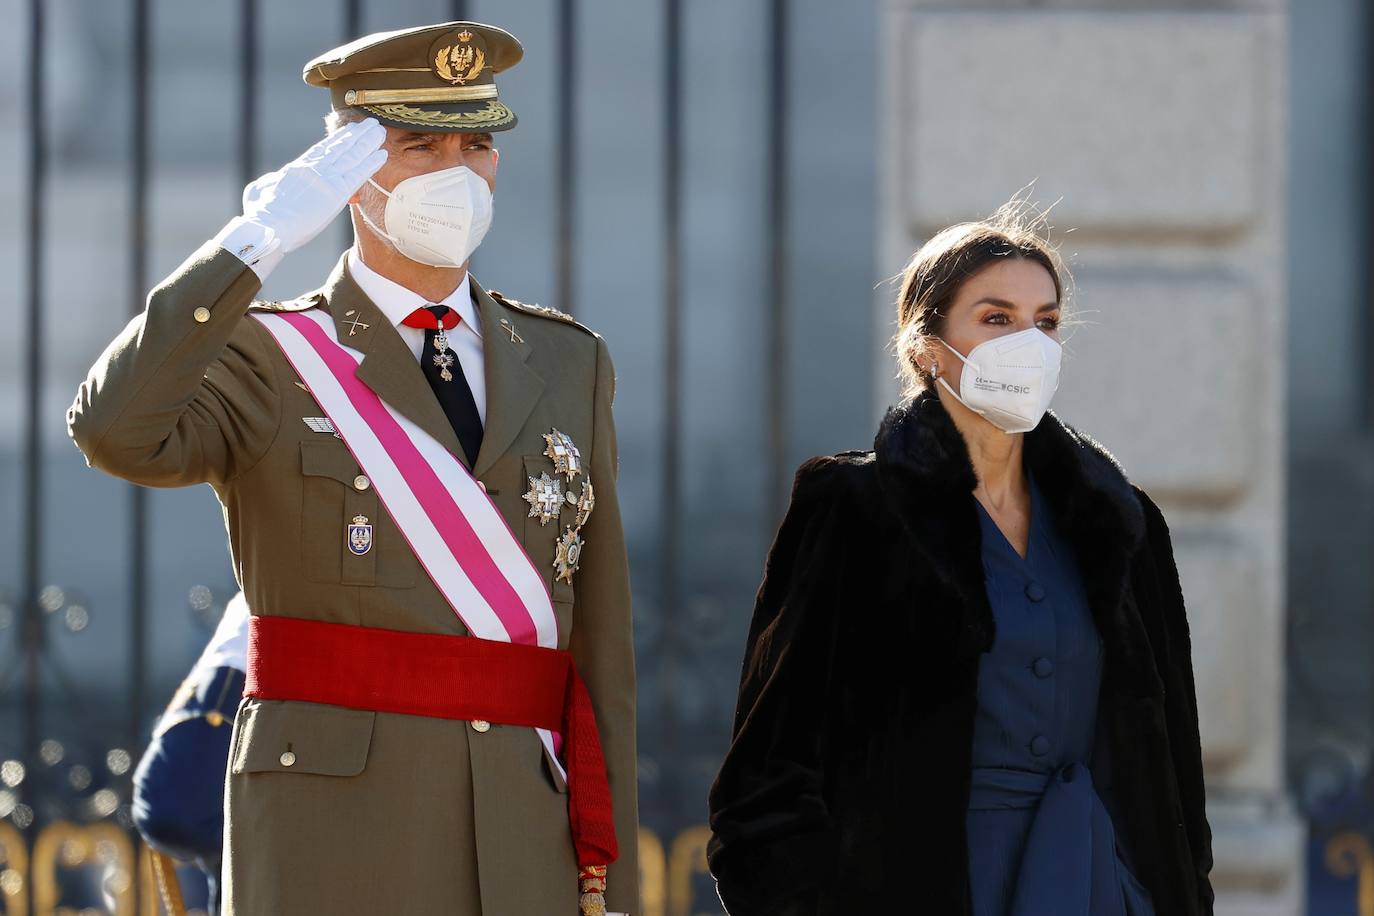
[
  {"x": 1175, "y": 664},
  {"x": 772, "y": 838}
]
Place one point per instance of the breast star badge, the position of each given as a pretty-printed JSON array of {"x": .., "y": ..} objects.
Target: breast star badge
[
  {"x": 545, "y": 497},
  {"x": 567, "y": 460},
  {"x": 584, "y": 503},
  {"x": 569, "y": 554}
]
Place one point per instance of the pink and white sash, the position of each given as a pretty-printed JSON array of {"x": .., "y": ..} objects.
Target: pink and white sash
[{"x": 456, "y": 532}]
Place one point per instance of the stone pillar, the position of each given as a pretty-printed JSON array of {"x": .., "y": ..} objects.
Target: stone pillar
[{"x": 1161, "y": 134}]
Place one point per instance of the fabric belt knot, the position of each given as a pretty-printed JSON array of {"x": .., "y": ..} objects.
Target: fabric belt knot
[{"x": 1070, "y": 851}]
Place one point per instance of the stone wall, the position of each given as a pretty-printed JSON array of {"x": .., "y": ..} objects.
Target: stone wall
[{"x": 1160, "y": 135}]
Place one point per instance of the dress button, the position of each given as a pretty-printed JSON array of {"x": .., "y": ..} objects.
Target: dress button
[
  {"x": 1040, "y": 745},
  {"x": 1035, "y": 591},
  {"x": 481, "y": 726},
  {"x": 361, "y": 482},
  {"x": 1043, "y": 667},
  {"x": 201, "y": 314},
  {"x": 482, "y": 485},
  {"x": 288, "y": 759}
]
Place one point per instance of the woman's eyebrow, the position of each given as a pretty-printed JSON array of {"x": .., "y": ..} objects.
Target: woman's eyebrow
[{"x": 1003, "y": 303}]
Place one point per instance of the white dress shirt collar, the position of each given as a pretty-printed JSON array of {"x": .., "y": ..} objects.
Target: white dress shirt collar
[{"x": 396, "y": 302}]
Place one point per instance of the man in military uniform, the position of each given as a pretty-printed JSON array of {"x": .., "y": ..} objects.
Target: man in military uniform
[{"x": 406, "y": 461}]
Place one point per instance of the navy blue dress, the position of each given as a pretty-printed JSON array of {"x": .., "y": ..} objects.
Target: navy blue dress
[{"x": 1040, "y": 841}]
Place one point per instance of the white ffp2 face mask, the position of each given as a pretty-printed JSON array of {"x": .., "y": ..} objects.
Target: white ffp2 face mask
[
  {"x": 438, "y": 218},
  {"x": 1010, "y": 380}
]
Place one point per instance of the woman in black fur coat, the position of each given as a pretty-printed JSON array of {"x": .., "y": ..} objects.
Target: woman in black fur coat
[{"x": 968, "y": 686}]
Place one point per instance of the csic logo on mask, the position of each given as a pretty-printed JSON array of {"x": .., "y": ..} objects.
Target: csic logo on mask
[{"x": 1009, "y": 380}]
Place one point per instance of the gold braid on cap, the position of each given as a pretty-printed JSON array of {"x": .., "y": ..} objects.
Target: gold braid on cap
[
  {"x": 493, "y": 114},
  {"x": 433, "y": 94}
]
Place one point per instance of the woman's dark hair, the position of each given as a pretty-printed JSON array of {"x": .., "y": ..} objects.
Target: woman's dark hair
[{"x": 933, "y": 276}]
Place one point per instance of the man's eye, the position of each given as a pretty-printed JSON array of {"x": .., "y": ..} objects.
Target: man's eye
[{"x": 423, "y": 146}]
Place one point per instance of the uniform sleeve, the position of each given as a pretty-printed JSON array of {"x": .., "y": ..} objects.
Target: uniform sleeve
[
  {"x": 602, "y": 641},
  {"x": 1174, "y": 660},
  {"x": 772, "y": 834},
  {"x": 186, "y": 393}
]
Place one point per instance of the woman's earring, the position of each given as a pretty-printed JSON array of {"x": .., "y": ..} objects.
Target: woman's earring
[{"x": 935, "y": 369}]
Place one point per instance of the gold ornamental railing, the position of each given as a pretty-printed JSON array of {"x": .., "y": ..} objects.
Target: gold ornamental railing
[{"x": 31, "y": 880}]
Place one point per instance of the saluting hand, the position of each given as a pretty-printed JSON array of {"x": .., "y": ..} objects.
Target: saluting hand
[{"x": 298, "y": 200}]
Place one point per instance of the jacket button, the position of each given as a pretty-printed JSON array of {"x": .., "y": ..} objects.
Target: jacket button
[
  {"x": 361, "y": 482},
  {"x": 288, "y": 759},
  {"x": 481, "y": 726},
  {"x": 1040, "y": 745},
  {"x": 1035, "y": 591},
  {"x": 1043, "y": 667},
  {"x": 201, "y": 314},
  {"x": 482, "y": 485}
]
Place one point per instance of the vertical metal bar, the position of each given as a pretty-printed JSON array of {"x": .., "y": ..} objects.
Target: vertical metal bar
[
  {"x": 31, "y": 632},
  {"x": 352, "y": 19},
  {"x": 1367, "y": 140},
  {"x": 248, "y": 66},
  {"x": 567, "y": 150},
  {"x": 670, "y": 539},
  {"x": 352, "y": 28},
  {"x": 137, "y": 247},
  {"x": 777, "y": 259}
]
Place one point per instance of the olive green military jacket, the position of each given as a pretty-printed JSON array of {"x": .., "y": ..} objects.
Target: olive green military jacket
[{"x": 378, "y": 812}]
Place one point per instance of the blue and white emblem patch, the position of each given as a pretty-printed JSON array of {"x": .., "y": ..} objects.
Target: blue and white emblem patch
[{"x": 359, "y": 535}]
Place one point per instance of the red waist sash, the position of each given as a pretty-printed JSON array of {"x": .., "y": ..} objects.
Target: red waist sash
[{"x": 445, "y": 677}]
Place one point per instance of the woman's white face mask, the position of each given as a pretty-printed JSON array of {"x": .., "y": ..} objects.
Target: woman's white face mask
[
  {"x": 438, "y": 218},
  {"x": 1009, "y": 380}
]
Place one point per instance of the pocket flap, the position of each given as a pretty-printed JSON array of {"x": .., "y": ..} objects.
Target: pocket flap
[
  {"x": 328, "y": 459},
  {"x": 278, "y": 736}
]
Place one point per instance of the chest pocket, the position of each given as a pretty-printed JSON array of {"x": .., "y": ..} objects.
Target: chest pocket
[{"x": 347, "y": 538}]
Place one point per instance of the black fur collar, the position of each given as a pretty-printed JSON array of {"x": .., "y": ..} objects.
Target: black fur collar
[
  {"x": 919, "y": 438},
  {"x": 924, "y": 468}
]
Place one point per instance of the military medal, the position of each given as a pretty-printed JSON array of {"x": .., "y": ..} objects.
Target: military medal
[
  {"x": 569, "y": 554},
  {"x": 444, "y": 359},
  {"x": 545, "y": 497},
  {"x": 359, "y": 536},
  {"x": 583, "y": 503},
  {"x": 567, "y": 460}
]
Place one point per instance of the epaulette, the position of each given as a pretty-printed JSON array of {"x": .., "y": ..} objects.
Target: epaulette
[
  {"x": 299, "y": 304},
  {"x": 542, "y": 311}
]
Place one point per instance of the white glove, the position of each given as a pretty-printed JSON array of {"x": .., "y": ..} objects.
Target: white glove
[{"x": 298, "y": 200}]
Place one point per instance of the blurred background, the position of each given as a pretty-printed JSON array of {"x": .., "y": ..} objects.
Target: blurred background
[{"x": 722, "y": 188}]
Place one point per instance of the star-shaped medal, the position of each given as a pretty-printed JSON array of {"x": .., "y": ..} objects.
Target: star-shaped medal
[
  {"x": 545, "y": 497},
  {"x": 569, "y": 554},
  {"x": 567, "y": 460}
]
